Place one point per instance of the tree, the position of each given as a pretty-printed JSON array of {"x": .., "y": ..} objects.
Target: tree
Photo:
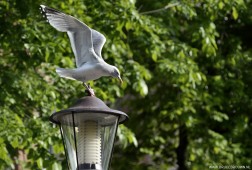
[
  {"x": 186, "y": 71},
  {"x": 199, "y": 95}
]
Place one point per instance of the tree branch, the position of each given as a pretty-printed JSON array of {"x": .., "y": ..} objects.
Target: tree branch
[{"x": 160, "y": 9}]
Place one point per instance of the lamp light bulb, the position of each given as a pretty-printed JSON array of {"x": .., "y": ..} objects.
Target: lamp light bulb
[{"x": 89, "y": 145}]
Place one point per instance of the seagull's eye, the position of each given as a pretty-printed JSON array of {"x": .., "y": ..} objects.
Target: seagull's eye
[{"x": 116, "y": 73}]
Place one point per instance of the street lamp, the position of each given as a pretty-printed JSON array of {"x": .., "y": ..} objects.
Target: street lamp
[{"x": 88, "y": 130}]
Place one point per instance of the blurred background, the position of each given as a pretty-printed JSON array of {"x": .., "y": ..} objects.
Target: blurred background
[{"x": 186, "y": 67}]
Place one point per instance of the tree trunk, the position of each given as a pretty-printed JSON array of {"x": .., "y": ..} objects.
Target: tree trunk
[
  {"x": 21, "y": 158},
  {"x": 181, "y": 150}
]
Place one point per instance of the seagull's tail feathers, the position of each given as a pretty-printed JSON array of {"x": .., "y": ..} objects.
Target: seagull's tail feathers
[{"x": 66, "y": 73}]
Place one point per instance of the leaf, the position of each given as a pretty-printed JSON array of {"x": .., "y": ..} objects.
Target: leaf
[
  {"x": 128, "y": 26},
  {"x": 40, "y": 163},
  {"x": 154, "y": 56},
  {"x": 15, "y": 143},
  {"x": 126, "y": 136},
  {"x": 234, "y": 13},
  {"x": 56, "y": 166},
  {"x": 144, "y": 88},
  {"x": 221, "y": 5}
]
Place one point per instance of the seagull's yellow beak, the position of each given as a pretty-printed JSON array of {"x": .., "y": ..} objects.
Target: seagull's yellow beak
[{"x": 121, "y": 81}]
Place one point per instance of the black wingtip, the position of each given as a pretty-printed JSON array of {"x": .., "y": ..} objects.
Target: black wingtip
[
  {"x": 46, "y": 9},
  {"x": 42, "y": 10}
]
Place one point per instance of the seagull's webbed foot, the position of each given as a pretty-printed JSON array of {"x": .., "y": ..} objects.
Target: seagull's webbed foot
[{"x": 89, "y": 90}]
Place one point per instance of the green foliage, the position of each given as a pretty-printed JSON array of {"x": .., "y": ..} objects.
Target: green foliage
[{"x": 186, "y": 68}]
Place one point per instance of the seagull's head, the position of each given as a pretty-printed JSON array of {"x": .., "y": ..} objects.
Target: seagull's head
[{"x": 116, "y": 74}]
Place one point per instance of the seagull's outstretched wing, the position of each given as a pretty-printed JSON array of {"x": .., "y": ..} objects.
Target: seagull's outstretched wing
[
  {"x": 80, "y": 34},
  {"x": 98, "y": 41}
]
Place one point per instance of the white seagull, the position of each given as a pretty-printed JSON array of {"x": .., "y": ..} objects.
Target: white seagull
[{"x": 86, "y": 44}]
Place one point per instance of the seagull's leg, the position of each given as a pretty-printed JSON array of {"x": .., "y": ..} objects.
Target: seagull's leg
[
  {"x": 84, "y": 84},
  {"x": 89, "y": 90}
]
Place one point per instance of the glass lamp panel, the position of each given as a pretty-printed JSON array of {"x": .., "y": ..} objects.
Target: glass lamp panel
[
  {"x": 69, "y": 140},
  {"x": 94, "y": 139},
  {"x": 108, "y": 136}
]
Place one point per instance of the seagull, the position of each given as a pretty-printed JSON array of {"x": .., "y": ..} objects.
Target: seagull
[{"x": 86, "y": 44}]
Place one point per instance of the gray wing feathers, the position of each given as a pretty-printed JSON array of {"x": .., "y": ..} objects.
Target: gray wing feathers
[
  {"x": 78, "y": 48},
  {"x": 98, "y": 42},
  {"x": 61, "y": 21},
  {"x": 78, "y": 32},
  {"x": 82, "y": 38}
]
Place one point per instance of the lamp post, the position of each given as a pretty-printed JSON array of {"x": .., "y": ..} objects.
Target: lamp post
[{"x": 88, "y": 130}]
